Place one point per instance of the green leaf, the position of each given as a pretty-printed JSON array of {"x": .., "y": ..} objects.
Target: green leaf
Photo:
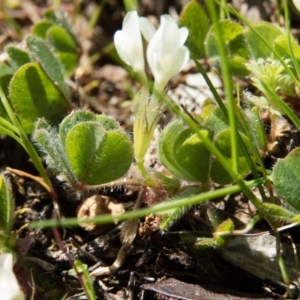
[
  {"x": 7, "y": 205},
  {"x": 64, "y": 47},
  {"x": 216, "y": 121},
  {"x": 237, "y": 66},
  {"x": 56, "y": 158},
  {"x": 222, "y": 142},
  {"x": 50, "y": 16},
  {"x": 72, "y": 120},
  {"x": 41, "y": 52},
  {"x": 181, "y": 151},
  {"x": 234, "y": 40},
  {"x": 193, "y": 157},
  {"x": 258, "y": 130},
  {"x": 107, "y": 122},
  {"x": 281, "y": 45},
  {"x": 18, "y": 57},
  {"x": 40, "y": 29},
  {"x": 58, "y": 17},
  {"x": 286, "y": 178},
  {"x": 80, "y": 268},
  {"x": 257, "y": 47},
  {"x": 195, "y": 19},
  {"x": 4, "y": 82},
  {"x": 5, "y": 69},
  {"x": 97, "y": 156},
  {"x": 166, "y": 143},
  {"x": 61, "y": 40},
  {"x": 34, "y": 95},
  {"x": 225, "y": 226}
]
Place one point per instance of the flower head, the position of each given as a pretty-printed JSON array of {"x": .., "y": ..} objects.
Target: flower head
[
  {"x": 9, "y": 286},
  {"x": 166, "y": 53},
  {"x": 128, "y": 42}
]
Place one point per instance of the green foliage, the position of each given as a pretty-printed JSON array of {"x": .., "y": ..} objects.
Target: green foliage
[
  {"x": 86, "y": 149},
  {"x": 272, "y": 73},
  {"x": 226, "y": 226},
  {"x": 42, "y": 54},
  {"x": 276, "y": 211},
  {"x": 33, "y": 94},
  {"x": 37, "y": 87},
  {"x": 195, "y": 19},
  {"x": 65, "y": 48},
  {"x": 183, "y": 153},
  {"x": 286, "y": 178},
  {"x": 222, "y": 142},
  {"x": 232, "y": 34},
  {"x": 7, "y": 206},
  {"x": 18, "y": 57},
  {"x": 258, "y": 47},
  {"x": 258, "y": 131},
  {"x": 40, "y": 29},
  {"x": 89, "y": 150},
  {"x": 281, "y": 45}
]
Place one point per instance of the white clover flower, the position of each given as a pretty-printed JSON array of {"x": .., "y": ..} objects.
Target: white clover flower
[
  {"x": 128, "y": 42},
  {"x": 9, "y": 287},
  {"x": 166, "y": 53},
  {"x": 166, "y": 57}
]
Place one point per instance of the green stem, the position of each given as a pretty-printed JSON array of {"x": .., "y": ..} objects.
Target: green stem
[
  {"x": 161, "y": 208},
  {"x": 288, "y": 30},
  {"x": 227, "y": 84}
]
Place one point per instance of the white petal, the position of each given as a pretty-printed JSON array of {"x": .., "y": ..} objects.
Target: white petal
[
  {"x": 180, "y": 59},
  {"x": 128, "y": 42},
  {"x": 153, "y": 53},
  {"x": 147, "y": 28},
  {"x": 183, "y": 35},
  {"x": 131, "y": 23},
  {"x": 166, "y": 54},
  {"x": 9, "y": 287},
  {"x": 297, "y": 4},
  {"x": 6, "y": 261},
  {"x": 121, "y": 44}
]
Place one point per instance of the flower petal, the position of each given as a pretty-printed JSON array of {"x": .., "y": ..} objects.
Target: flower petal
[
  {"x": 9, "y": 286},
  {"x": 166, "y": 54},
  {"x": 297, "y": 4},
  {"x": 183, "y": 35},
  {"x": 128, "y": 42},
  {"x": 6, "y": 261},
  {"x": 122, "y": 45},
  {"x": 147, "y": 28}
]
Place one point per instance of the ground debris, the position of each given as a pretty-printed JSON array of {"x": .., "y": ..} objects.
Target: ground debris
[{"x": 184, "y": 291}]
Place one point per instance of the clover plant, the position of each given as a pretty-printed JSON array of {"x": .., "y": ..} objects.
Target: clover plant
[
  {"x": 166, "y": 57},
  {"x": 222, "y": 145},
  {"x": 32, "y": 84},
  {"x": 86, "y": 149}
]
